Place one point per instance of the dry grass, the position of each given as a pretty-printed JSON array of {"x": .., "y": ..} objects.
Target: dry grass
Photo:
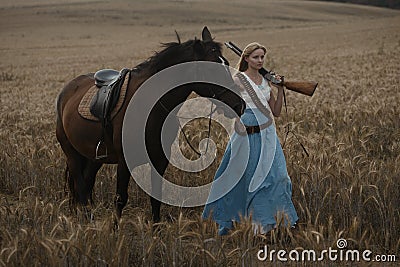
[{"x": 348, "y": 187}]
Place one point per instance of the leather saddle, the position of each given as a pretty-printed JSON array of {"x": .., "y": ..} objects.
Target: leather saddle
[{"x": 109, "y": 83}]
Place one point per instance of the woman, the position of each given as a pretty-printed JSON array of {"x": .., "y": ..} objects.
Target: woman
[{"x": 252, "y": 180}]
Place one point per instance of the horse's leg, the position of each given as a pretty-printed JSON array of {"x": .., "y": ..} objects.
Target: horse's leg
[
  {"x": 155, "y": 191},
  {"x": 158, "y": 170},
  {"x": 123, "y": 176},
  {"x": 89, "y": 175},
  {"x": 81, "y": 172},
  {"x": 158, "y": 153}
]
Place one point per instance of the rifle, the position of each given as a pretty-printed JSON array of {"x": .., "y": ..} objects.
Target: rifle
[{"x": 302, "y": 87}]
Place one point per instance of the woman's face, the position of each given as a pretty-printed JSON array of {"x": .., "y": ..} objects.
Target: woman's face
[{"x": 256, "y": 59}]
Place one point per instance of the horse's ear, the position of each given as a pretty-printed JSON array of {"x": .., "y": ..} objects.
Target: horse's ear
[
  {"x": 206, "y": 35},
  {"x": 177, "y": 36}
]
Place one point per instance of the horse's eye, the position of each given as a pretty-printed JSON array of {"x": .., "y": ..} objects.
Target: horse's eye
[{"x": 214, "y": 49}]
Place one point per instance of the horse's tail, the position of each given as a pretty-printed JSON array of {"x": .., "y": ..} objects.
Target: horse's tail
[
  {"x": 69, "y": 182},
  {"x": 58, "y": 108}
]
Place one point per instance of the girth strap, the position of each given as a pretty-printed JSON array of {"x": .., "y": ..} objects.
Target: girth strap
[{"x": 105, "y": 100}]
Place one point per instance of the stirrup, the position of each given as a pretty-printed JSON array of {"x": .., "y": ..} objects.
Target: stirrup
[{"x": 97, "y": 151}]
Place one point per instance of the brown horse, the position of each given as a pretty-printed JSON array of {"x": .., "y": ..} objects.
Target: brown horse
[{"x": 78, "y": 137}]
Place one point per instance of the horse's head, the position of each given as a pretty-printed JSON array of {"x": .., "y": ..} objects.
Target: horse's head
[
  {"x": 200, "y": 50},
  {"x": 207, "y": 49}
]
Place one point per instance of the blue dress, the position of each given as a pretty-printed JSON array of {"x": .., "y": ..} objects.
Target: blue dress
[{"x": 252, "y": 180}]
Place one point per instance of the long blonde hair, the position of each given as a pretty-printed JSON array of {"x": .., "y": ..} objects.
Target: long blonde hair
[{"x": 242, "y": 65}]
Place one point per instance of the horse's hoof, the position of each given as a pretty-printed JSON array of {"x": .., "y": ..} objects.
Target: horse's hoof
[
  {"x": 116, "y": 221},
  {"x": 116, "y": 226}
]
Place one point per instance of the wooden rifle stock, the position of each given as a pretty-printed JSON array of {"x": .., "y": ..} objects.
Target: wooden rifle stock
[{"x": 302, "y": 87}]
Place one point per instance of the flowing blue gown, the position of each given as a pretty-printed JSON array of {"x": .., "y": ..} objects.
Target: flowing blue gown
[{"x": 263, "y": 189}]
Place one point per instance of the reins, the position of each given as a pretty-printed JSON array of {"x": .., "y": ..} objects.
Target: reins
[{"x": 212, "y": 111}]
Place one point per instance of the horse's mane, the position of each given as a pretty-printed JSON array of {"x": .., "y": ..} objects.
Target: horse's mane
[
  {"x": 171, "y": 49},
  {"x": 154, "y": 61}
]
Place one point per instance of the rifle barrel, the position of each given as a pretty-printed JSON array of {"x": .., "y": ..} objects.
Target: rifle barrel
[
  {"x": 306, "y": 88},
  {"x": 236, "y": 47}
]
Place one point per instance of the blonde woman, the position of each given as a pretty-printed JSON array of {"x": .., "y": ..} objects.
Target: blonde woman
[{"x": 252, "y": 179}]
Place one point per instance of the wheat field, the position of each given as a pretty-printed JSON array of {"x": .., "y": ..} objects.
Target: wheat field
[{"x": 348, "y": 186}]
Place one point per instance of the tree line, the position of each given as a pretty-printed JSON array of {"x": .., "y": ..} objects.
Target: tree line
[{"x": 380, "y": 3}]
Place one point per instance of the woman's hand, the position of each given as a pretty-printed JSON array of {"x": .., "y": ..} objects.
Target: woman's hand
[{"x": 279, "y": 78}]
